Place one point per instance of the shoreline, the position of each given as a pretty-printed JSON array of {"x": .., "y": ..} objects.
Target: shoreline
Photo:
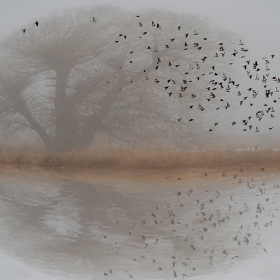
[
  {"x": 141, "y": 159},
  {"x": 160, "y": 177}
]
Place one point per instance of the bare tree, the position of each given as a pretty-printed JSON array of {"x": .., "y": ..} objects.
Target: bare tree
[{"x": 127, "y": 76}]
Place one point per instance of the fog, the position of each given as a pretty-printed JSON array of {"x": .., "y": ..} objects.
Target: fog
[
  {"x": 255, "y": 22},
  {"x": 111, "y": 172}
]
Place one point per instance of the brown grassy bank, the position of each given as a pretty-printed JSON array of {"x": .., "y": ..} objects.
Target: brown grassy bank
[{"x": 140, "y": 158}]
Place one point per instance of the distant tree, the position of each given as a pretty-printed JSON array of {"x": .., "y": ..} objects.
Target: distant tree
[{"x": 73, "y": 77}]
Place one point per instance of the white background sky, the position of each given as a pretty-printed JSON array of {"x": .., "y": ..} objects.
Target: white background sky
[{"x": 256, "y": 22}]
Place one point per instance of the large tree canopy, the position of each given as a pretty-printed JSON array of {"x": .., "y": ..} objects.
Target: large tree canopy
[{"x": 73, "y": 77}]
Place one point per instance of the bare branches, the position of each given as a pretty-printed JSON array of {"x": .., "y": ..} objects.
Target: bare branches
[{"x": 109, "y": 77}]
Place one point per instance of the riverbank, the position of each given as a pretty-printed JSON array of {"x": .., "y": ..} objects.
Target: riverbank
[{"x": 122, "y": 158}]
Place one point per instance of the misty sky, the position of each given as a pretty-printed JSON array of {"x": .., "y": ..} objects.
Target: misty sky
[{"x": 256, "y": 22}]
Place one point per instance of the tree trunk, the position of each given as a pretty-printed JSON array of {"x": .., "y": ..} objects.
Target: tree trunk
[
  {"x": 94, "y": 121},
  {"x": 66, "y": 126}
]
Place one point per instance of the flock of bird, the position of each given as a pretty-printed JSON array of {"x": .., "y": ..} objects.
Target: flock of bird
[
  {"x": 205, "y": 228},
  {"x": 222, "y": 82},
  {"x": 217, "y": 82}
]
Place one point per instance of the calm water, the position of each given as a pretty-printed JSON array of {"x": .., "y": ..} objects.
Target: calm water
[{"x": 71, "y": 228}]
